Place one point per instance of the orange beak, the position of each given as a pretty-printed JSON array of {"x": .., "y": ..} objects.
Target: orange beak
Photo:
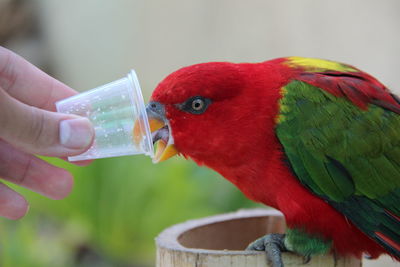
[{"x": 164, "y": 147}]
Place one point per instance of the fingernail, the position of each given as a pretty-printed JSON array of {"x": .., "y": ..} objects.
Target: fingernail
[{"x": 76, "y": 133}]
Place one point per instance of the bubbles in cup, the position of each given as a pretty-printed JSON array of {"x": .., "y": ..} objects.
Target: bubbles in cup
[{"x": 113, "y": 110}]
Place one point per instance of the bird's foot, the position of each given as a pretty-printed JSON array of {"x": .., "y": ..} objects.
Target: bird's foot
[
  {"x": 273, "y": 245},
  {"x": 295, "y": 240}
]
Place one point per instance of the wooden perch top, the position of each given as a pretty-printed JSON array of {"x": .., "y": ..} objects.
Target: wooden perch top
[{"x": 219, "y": 241}]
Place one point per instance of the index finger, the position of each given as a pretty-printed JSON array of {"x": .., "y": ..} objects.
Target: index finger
[{"x": 29, "y": 84}]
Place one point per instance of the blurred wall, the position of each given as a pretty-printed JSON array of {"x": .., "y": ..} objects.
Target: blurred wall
[{"x": 94, "y": 41}]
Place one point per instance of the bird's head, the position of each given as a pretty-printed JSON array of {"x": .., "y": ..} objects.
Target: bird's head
[{"x": 214, "y": 113}]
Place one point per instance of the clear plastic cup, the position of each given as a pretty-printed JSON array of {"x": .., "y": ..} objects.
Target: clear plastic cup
[{"x": 113, "y": 109}]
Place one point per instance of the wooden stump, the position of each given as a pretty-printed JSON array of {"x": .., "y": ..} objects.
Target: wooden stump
[{"x": 219, "y": 241}]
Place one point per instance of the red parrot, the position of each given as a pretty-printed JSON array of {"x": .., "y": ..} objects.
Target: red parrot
[{"x": 316, "y": 139}]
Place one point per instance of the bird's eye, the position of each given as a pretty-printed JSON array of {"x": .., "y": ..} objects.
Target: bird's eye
[
  {"x": 198, "y": 104},
  {"x": 195, "y": 105}
]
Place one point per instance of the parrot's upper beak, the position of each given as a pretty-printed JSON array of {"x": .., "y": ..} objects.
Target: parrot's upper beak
[{"x": 160, "y": 130}]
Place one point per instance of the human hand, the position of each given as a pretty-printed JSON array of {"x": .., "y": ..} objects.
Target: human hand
[{"x": 29, "y": 126}]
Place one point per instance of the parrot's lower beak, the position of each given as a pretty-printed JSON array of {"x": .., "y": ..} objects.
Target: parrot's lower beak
[{"x": 163, "y": 141}]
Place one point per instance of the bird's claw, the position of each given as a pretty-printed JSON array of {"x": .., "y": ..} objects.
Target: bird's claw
[
  {"x": 307, "y": 259},
  {"x": 273, "y": 245}
]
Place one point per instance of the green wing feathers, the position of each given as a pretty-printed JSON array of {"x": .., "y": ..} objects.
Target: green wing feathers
[{"x": 347, "y": 155}]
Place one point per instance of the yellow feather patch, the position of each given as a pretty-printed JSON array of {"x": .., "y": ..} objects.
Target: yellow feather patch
[
  {"x": 282, "y": 107},
  {"x": 317, "y": 65},
  {"x": 279, "y": 118}
]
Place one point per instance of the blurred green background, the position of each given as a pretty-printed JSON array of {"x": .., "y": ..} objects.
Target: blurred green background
[
  {"x": 119, "y": 205},
  {"x": 116, "y": 209}
]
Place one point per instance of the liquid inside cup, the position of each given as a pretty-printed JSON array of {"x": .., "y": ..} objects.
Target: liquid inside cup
[{"x": 113, "y": 109}]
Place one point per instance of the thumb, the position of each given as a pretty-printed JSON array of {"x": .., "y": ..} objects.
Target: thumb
[{"x": 38, "y": 131}]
